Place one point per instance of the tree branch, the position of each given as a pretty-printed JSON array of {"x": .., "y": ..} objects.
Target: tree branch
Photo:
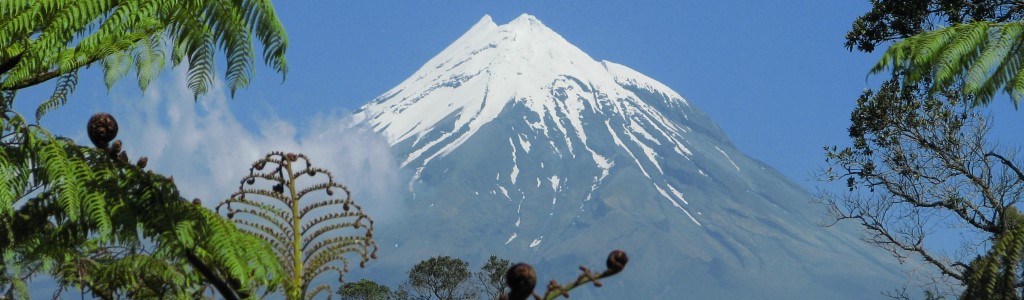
[
  {"x": 10, "y": 63},
  {"x": 41, "y": 78},
  {"x": 222, "y": 286},
  {"x": 1007, "y": 163},
  {"x": 880, "y": 231}
]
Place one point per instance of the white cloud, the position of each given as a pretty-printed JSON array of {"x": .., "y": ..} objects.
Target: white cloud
[{"x": 208, "y": 150}]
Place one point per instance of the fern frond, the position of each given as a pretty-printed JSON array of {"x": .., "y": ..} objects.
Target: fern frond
[
  {"x": 961, "y": 53},
  {"x": 320, "y": 288},
  {"x": 984, "y": 56},
  {"x": 991, "y": 69},
  {"x": 308, "y": 246},
  {"x": 90, "y": 201},
  {"x": 995, "y": 275},
  {"x": 42, "y": 40},
  {"x": 115, "y": 67},
  {"x": 65, "y": 86},
  {"x": 149, "y": 60}
]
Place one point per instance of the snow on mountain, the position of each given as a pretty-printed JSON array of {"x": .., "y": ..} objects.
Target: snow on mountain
[
  {"x": 526, "y": 63},
  {"x": 520, "y": 144}
]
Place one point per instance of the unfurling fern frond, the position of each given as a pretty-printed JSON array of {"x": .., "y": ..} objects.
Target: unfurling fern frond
[
  {"x": 983, "y": 56},
  {"x": 309, "y": 219}
]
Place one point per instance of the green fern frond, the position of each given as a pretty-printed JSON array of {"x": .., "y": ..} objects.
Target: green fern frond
[
  {"x": 984, "y": 56},
  {"x": 41, "y": 40},
  {"x": 90, "y": 201},
  {"x": 115, "y": 67},
  {"x": 995, "y": 275},
  {"x": 149, "y": 60},
  {"x": 997, "y": 63},
  {"x": 65, "y": 86},
  {"x": 961, "y": 53}
]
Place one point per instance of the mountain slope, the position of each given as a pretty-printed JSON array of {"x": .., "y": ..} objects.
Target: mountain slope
[{"x": 520, "y": 144}]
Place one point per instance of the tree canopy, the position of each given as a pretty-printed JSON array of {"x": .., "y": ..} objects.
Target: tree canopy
[
  {"x": 975, "y": 47},
  {"x": 442, "y": 278},
  {"x": 922, "y": 162}
]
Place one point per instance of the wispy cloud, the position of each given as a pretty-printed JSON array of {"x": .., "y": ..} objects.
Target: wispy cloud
[{"x": 208, "y": 150}]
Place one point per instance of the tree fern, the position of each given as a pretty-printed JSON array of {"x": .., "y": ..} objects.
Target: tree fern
[
  {"x": 995, "y": 275},
  {"x": 66, "y": 84},
  {"x": 42, "y": 40},
  {"x": 69, "y": 201},
  {"x": 307, "y": 217},
  {"x": 982, "y": 56}
]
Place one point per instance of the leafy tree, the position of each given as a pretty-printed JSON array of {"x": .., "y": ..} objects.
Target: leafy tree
[
  {"x": 364, "y": 290},
  {"x": 974, "y": 46},
  {"x": 442, "y": 278},
  {"x": 921, "y": 153},
  {"x": 86, "y": 215},
  {"x": 276, "y": 203},
  {"x": 919, "y": 162},
  {"x": 491, "y": 276},
  {"x": 892, "y": 20}
]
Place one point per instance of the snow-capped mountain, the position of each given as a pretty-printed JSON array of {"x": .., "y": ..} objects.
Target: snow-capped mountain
[{"x": 520, "y": 144}]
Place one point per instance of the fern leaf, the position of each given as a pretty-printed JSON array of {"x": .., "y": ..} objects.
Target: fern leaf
[
  {"x": 308, "y": 246},
  {"x": 961, "y": 52},
  {"x": 65, "y": 86},
  {"x": 983, "y": 56}
]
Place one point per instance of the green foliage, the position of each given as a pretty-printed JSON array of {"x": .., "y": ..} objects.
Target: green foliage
[
  {"x": 442, "y": 278},
  {"x": 84, "y": 216},
  {"x": 995, "y": 275},
  {"x": 984, "y": 57},
  {"x": 42, "y": 40},
  {"x": 890, "y": 20},
  {"x": 918, "y": 161},
  {"x": 974, "y": 46},
  {"x": 364, "y": 290},
  {"x": 491, "y": 277},
  {"x": 277, "y": 202},
  {"x": 88, "y": 217},
  {"x": 920, "y": 155}
]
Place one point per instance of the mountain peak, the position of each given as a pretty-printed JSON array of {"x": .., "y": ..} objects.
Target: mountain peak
[
  {"x": 529, "y": 148},
  {"x": 522, "y": 66},
  {"x": 484, "y": 24},
  {"x": 526, "y": 20}
]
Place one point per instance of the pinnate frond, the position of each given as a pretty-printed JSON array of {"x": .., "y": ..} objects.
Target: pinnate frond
[
  {"x": 995, "y": 275},
  {"x": 41, "y": 40},
  {"x": 65, "y": 86},
  {"x": 312, "y": 225},
  {"x": 67, "y": 201},
  {"x": 982, "y": 56}
]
